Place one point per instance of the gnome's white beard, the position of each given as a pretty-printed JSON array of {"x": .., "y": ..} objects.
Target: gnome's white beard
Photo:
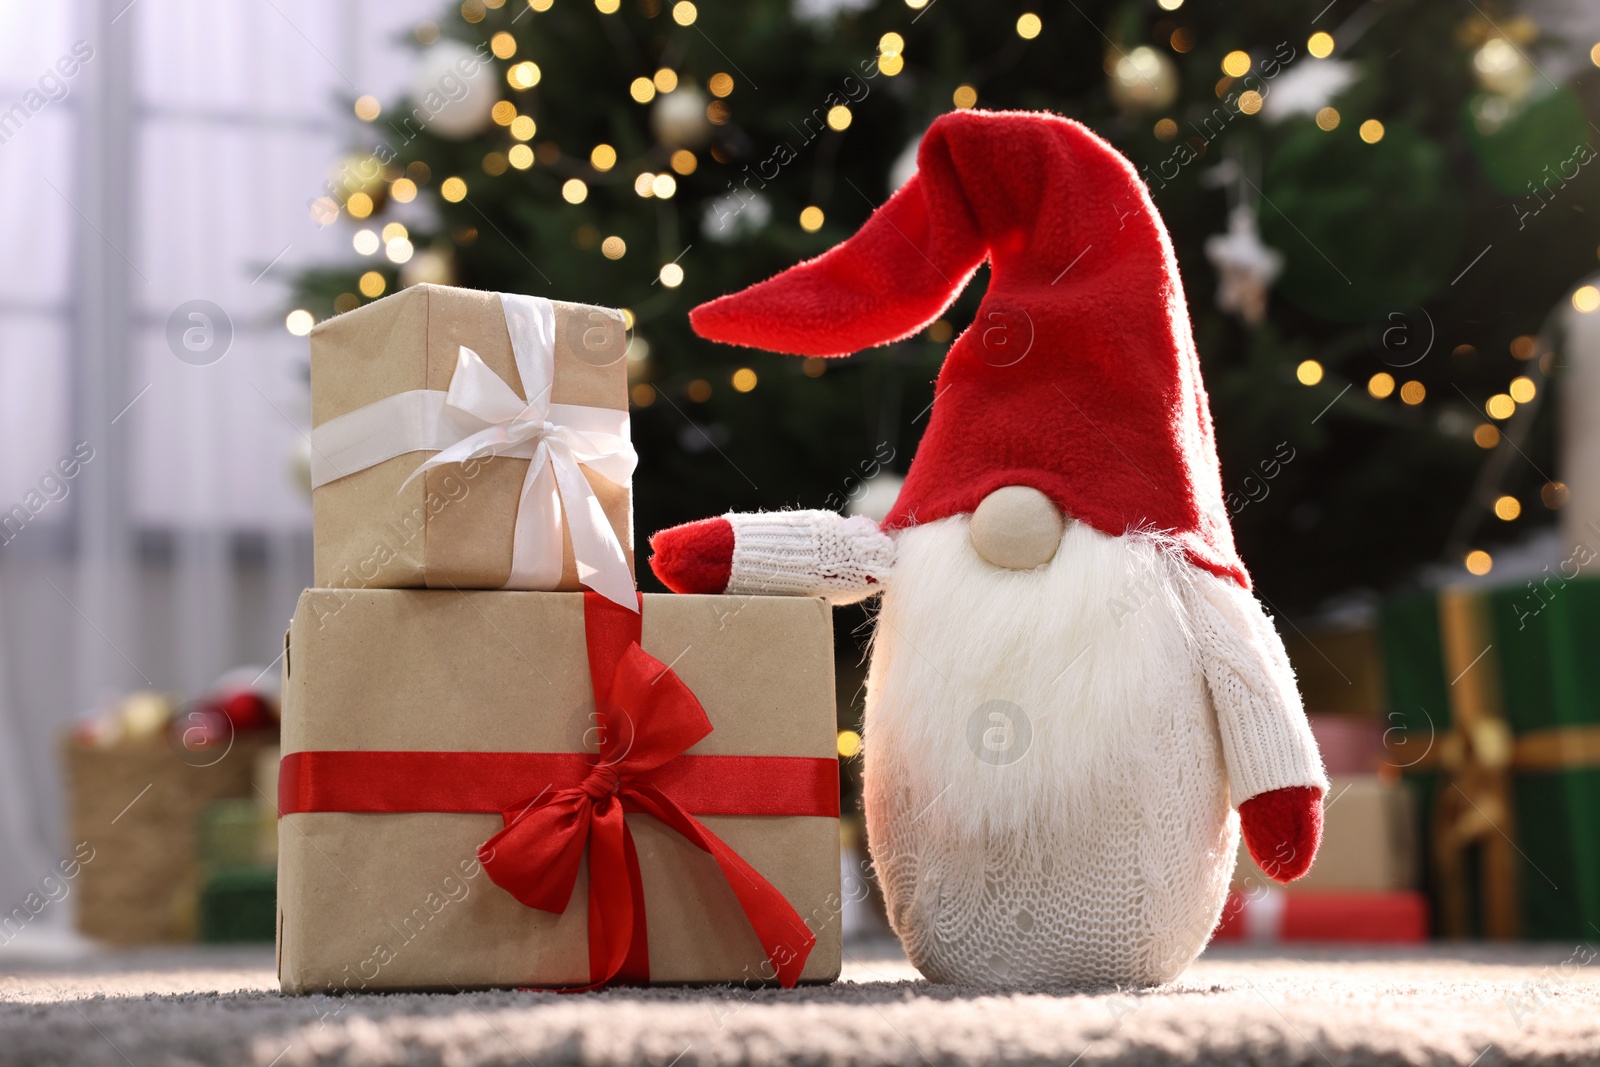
[{"x": 1041, "y": 743}]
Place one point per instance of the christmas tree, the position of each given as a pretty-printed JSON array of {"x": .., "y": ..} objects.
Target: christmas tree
[{"x": 1375, "y": 207}]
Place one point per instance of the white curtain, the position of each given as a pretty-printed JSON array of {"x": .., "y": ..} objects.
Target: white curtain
[{"x": 174, "y": 164}]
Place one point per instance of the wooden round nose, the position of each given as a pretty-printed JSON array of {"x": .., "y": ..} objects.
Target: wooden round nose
[{"x": 1017, "y": 528}]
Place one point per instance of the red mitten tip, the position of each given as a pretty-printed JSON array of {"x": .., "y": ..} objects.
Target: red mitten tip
[
  {"x": 1282, "y": 830},
  {"x": 696, "y": 557}
]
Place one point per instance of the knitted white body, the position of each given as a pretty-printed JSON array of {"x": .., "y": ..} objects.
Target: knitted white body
[
  {"x": 1049, "y": 753},
  {"x": 1046, "y": 794}
]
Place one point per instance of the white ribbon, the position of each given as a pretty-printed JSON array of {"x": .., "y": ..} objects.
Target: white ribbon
[{"x": 481, "y": 415}]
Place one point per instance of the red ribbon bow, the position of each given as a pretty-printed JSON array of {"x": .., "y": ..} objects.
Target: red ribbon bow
[{"x": 647, "y": 719}]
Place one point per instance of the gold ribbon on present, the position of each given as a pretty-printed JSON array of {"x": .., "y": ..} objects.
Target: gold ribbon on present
[{"x": 1476, "y": 757}]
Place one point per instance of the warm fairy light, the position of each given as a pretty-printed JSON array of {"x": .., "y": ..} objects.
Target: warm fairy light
[
  {"x": 643, "y": 395},
  {"x": 1309, "y": 372},
  {"x": 744, "y": 379},
  {"x": 1500, "y": 406},
  {"x": 1169, "y": 5},
  {"x": 524, "y": 75},
  {"x": 404, "y": 190},
  {"x": 665, "y": 80},
  {"x": 849, "y": 744},
  {"x": 671, "y": 275},
  {"x": 520, "y": 156},
  {"x": 603, "y": 158},
  {"x": 1586, "y": 298},
  {"x": 613, "y": 247},
  {"x": 473, "y": 10},
  {"x": 839, "y": 117},
  {"x": 1487, "y": 435},
  {"x": 1413, "y": 393},
  {"x": 1380, "y": 385},
  {"x": 891, "y": 65},
  {"x": 345, "y": 302},
  {"x": 372, "y": 284},
  {"x": 395, "y": 229},
  {"x": 1181, "y": 40},
  {"x": 1328, "y": 118},
  {"x": 1507, "y": 508},
  {"x": 644, "y": 184},
  {"x": 1523, "y": 348},
  {"x": 1522, "y": 389},
  {"x": 453, "y": 189},
  {"x": 1028, "y": 26},
  {"x": 1594, "y": 55},
  {"x": 1553, "y": 494},
  {"x": 366, "y": 242},
  {"x": 359, "y": 205},
  {"x": 964, "y": 97},
  {"x": 1250, "y": 102},
  {"x": 1320, "y": 45},
  {"x": 720, "y": 84},
  {"x": 699, "y": 390},
  {"x": 1165, "y": 130},
  {"x": 607, "y": 7},
  {"x": 811, "y": 219},
  {"x": 628, "y": 320},
  {"x": 684, "y": 13},
  {"x": 812, "y": 367},
  {"x": 891, "y": 44},
  {"x": 684, "y": 162},
  {"x": 523, "y": 127},
  {"x": 494, "y": 164},
  {"x": 1236, "y": 64},
  {"x": 503, "y": 45},
  {"x": 717, "y": 114},
  {"x": 916, "y": 5},
  {"x": 574, "y": 191},
  {"x": 643, "y": 90},
  {"x": 398, "y": 249},
  {"x": 1479, "y": 562},
  {"x": 367, "y": 108},
  {"x": 299, "y": 323},
  {"x": 1372, "y": 131},
  {"x": 503, "y": 112},
  {"x": 663, "y": 186}
]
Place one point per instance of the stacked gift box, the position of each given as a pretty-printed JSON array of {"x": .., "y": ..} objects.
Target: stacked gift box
[
  {"x": 1365, "y": 883},
  {"x": 502, "y": 766},
  {"x": 1495, "y": 696}
]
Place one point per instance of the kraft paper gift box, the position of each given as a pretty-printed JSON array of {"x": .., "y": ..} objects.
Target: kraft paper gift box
[
  {"x": 413, "y": 719},
  {"x": 530, "y": 398}
]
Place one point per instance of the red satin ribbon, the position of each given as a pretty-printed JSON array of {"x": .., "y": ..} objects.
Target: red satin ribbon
[{"x": 559, "y": 806}]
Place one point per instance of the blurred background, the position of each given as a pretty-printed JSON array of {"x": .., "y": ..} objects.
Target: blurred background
[{"x": 1387, "y": 216}]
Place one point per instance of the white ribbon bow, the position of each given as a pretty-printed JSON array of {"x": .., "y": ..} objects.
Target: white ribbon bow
[{"x": 481, "y": 415}]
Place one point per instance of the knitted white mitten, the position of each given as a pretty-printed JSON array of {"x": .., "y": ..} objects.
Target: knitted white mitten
[{"x": 808, "y": 553}]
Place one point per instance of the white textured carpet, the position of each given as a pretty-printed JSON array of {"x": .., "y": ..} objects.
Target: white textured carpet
[{"x": 1445, "y": 1005}]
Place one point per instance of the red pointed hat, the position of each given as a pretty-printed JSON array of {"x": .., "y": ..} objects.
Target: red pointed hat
[{"x": 1079, "y": 376}]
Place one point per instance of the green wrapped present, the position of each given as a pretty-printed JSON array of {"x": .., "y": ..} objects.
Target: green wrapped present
[
  {"x": 239, "y": 904},
  {"x": 1495, "y": 699},
  {"x": 234, "y": 833}
]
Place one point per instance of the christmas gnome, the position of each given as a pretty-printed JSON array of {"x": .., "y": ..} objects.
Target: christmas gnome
[{"x": 1071, "y": 686}]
